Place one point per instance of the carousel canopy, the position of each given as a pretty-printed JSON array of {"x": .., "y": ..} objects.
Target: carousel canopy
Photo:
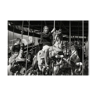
[{"x": 35, "y": 27}]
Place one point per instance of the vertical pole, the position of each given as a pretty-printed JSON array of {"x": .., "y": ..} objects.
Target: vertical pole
[
  {"x": 45, "y": 23},
  {"x": 13, "y": 35},
  {"x": 27, "y": 45},
  {"x": 41, "y": 34},
  {"x": 9, "y": 37},
  {"x": 70, "y": 34},
  {"x": 22, "y": 30},
  {"x": 70, "y": 41},
  {"x": 54, "y": 23},
  {"x": 78, "y": 31},
  {"x": 74, "y": 40},
  {"x": 82, "y": 46},
  {"x": 60, "y": 23},
  {"x": 33, "y": 39},
  {"x": 8, "y": 46},
  {"x": 88, "y": 43}
]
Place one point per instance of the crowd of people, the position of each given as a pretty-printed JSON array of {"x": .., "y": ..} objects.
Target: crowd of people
[{"x": 51, "y": 43}]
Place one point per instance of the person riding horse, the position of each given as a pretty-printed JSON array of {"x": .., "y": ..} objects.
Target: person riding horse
[
  {"x": 48, "y": 38},
  {"x": 49, "y": 50}
]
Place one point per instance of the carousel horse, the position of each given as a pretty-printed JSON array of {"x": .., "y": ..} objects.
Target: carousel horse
[
  {"x": 70, "y": 58},
  {"x": 85, "y": 50},
  {"x": 47, "y": 52},
  {"x": 21, "y": 64},
  {"x": 17, "y": 59}
]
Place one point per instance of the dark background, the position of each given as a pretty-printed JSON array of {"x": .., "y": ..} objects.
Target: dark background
[{"x": 76, "y": 26}]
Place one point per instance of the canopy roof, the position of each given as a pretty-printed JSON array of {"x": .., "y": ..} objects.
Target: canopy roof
[{"x": 36, "y": 27}]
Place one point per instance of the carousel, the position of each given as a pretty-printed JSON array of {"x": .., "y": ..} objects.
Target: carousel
[{"x": 47, "y": 48}]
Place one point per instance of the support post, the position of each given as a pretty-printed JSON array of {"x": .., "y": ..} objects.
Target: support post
[
  {"x": 22, "y": 30},
  {"x": 70, "y": 41},
  {"x": 41, "y": 34},
  {"x": 82, "y": 46},
  {"x": 13, "y": 35},
  {"x": 54, "y": 23},
  {"x": 27, "y": 45},
  {"x": 8, "y": 46},
  {"x": 78, "y": 31},
  {"x": 45, "y": 23},
  {"x": 60, "y": 23},
  {"x": 70, "y": 34},
  {"x": 88, "y": 41}
]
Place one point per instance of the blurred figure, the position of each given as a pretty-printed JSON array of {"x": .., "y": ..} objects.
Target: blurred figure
[
  {"x": 24, "y": 41},
  {"x": 17, "y": 54},
  {"x": 15, "y": 50}
]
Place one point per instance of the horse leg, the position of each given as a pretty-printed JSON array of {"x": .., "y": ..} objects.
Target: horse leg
[
  {"x": 55, "y": 70},
  {"x": 53, "y": 75},
  {"x": 71, "y": 71},
  {"x": 16, "y": 73},
  {"x": 46, "y": 56}
]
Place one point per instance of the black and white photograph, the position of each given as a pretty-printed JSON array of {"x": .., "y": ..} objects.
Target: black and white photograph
[{"x": 48, "y": 47}]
